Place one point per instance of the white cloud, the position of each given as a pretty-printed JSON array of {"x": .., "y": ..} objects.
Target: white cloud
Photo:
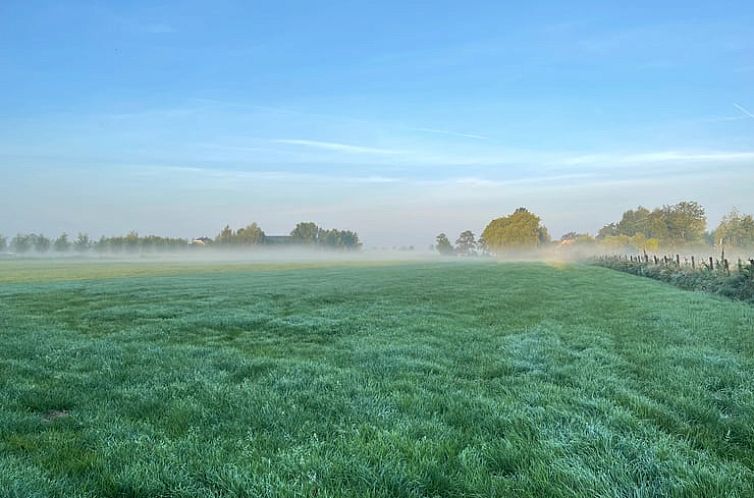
[
  {"x": 451, "y": 133},
  {"x": 338, "y": 147},
  {"x": 659, "y": 157}
]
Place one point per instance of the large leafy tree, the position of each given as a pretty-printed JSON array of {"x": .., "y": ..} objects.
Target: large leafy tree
[
  {"x": 338, "y": 239},
  {"x": 610, "y": 230},
  {"x": 21, "y": 243},
  {"x": 481, "y": 245},
  {"x": 225, "y": 237},
  {"x": 466, "y": 243},
  {"x": 349, "y": 240},
  {"x": 520, "y": 230},
  {"x": 443, "y": 245},
  {"x": 62, "y": 244},
  {"x": 635, "y": 221},
  {"x": 82, "y": 243},
  {"x": 685, "y": 222},
  {"x": 735, "y": 230},
  {"x": 41, "y": 243},
  {"x": 306, "y": 233},
  {"x": 3, "y": 243},
  {"x": 250, "y": 235}
]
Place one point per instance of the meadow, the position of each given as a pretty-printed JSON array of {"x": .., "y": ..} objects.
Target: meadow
[{"x": 393, "y": 379}]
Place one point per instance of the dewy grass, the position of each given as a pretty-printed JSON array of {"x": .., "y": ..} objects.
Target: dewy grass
[{"x": 411, "y": 380}]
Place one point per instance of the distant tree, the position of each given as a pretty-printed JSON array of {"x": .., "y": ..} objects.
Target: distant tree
[
  {"x": 573, "y": 238},
  {"x": 482, "y": 246},
  {"x": 3, "y": 243},
  {"x": 466, "y": 244},
  {"x": 609, "y": 230},
  {"x": 338, "y": 239},
  {"x": 101, "y": 245},
  {"x": 131, "y": 241},
  {"x": 350, "y": 240},
  {"x": 657, "y": 226},
  {"x": 21, "y": 243},
  {"x": 225, "y": 237},
  {"x": 41, "y": 243},
  {"x": 735, "y": 231},
  {"x": 520, "y": 230},
  {"x": 443, "y": 245},
  {"x": 250, "y": 235},
  {"x": 671, "y": 225},
  {"x": 635, "y": 221},
  {"x": 625, "y": 243},
  {"x": 62, "y": 244},
  {"x": 306, "y": 233},
  {"x": 82, "y": 243},
  {"x": 686, "y": 222}
]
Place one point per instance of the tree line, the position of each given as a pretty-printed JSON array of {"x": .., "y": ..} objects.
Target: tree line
[
  {"x": 681, "y": 225},
  {"x": 304, "y": 234},
  {"x": 131, "y": 242}
]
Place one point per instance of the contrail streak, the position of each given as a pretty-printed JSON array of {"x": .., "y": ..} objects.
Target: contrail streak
[{"x": 744, "y": 110}]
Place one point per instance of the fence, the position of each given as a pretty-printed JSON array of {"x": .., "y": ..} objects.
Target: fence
[
  {"x": 710, "y": 263},
  {"x": 708, "y": 274}
]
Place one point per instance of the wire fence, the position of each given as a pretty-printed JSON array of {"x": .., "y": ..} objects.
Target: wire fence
[
  {"x": 692, "y": 262},
  {"x": 733, "y": 279}
]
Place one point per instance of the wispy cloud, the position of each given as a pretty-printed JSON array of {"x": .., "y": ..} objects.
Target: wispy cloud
[
  {"x": 337, "y": 147},
  {"x": 451, "y": 133},
  {"x": 719, "y": 119},
  {"x": 267, "y": 175},
  {"x": 744, "y": 110},
  {"x": 233, "y": 148},
  {"x": 658, "y": 157},
  {"x": 154, "y": 113},
  {"x": 485, "y": 182}
]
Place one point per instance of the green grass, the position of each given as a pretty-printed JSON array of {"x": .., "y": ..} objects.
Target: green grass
[{"x": 393, "y": 380}]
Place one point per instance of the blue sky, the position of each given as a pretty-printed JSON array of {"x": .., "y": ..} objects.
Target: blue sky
[{"x": 395, "y": 119}]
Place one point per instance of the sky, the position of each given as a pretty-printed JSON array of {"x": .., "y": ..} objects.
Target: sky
[{"x": 398, "y": 120}]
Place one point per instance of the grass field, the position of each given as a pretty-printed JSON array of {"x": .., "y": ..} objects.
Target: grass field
[{"x": 145, "y": 380}]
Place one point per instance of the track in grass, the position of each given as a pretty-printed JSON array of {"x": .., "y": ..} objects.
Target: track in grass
[{"x": 405, "y": 380}]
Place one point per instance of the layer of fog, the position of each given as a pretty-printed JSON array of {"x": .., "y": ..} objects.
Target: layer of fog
[{"x": 282, "y": 255}]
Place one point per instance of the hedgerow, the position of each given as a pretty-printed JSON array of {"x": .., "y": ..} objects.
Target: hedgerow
[{"x": 737, "y": 283}]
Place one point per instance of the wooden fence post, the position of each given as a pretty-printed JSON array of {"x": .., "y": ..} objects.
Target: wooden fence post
[{"x": 693, "y": 263}]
